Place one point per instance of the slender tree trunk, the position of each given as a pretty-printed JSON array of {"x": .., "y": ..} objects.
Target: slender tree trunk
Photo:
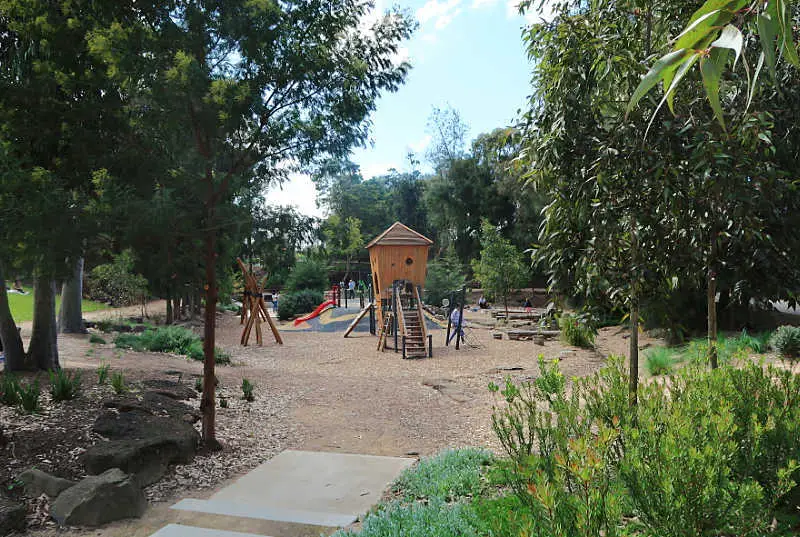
[
  {"x": 169, "y": 318},
  {"x": 176, "y": 308},
  {"x": 70, "y": 316},
  {"x": 712, "y": 319},
  {"x": 14, "y": 352},
  {"x": 505, "y": 303},
  {"x": 633, "y": 351},
  {"x": 43, "y": 350},
  {"x": 207, "y": 404}
]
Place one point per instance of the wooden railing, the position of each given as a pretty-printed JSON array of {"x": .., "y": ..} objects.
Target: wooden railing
[
  {"x": 421, "y": 314},
  {"x": 401, "y": 318}
]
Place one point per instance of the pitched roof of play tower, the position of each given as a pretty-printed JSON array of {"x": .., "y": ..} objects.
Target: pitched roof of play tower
[{"x": 400, "y": 235}]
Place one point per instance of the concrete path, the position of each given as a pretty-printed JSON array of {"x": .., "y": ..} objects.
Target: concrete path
[{"x": 304, "y": 488}]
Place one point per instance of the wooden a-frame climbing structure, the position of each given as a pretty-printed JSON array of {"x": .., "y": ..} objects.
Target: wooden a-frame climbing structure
[{"x": 254, "y": 309}]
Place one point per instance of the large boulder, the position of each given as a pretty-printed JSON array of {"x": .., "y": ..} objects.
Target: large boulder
[
  {"x": 171, "y": 388},
  {"x": 12, "y": 516},
  {"x": 37, "y": 482},
  {"x": 157, "y": 404},
  {"x": 97, "y": 500},
  {"x": 141, "y": 444}
]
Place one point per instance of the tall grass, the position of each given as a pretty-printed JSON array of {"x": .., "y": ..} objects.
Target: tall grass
[
  {"x": 172, "y": 339},
  {"x": 660, "y": 361}
]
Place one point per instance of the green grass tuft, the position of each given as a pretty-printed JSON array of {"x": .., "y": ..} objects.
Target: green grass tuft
[
  {"x": 94, "y": 338},
  {"x": 659, "y": 361},
  {"x": 172, "y": 339}
]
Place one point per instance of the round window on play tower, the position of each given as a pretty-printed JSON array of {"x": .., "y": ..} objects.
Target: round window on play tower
[{"x": 409, "y": 261}]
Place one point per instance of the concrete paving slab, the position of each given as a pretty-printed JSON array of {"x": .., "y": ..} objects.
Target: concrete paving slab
[
  {"x": 306, "y": 487},
  {"x": 179, "y": 530},
  {"x": 265, "y": 512}
]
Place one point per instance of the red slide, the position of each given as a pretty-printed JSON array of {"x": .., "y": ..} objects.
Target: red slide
[{"x": 320, "y": 308}]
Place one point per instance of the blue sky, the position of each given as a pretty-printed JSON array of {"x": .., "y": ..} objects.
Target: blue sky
[{"x": 467, "y": 54}]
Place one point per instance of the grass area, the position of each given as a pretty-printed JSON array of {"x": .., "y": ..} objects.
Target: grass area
[
  {"x": 22, "y": 305},
  {"x": 662, "y": 360},
  {"x": 172, "y": 339}
]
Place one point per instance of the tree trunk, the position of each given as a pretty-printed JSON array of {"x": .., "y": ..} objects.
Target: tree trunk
[
  {"x": 505, "y": 303},
  {"x": 43, "y": 350},
  {"x": 70, "y": 316},
  {"x": 712, "y": 319},
  {"x": 176, "y": 309},
  {"x": 633, "y": 351},
  {"x": 207, "y": 404},
  {"x": 169, "y": 318},
  {"x": 15, "y": 357}
]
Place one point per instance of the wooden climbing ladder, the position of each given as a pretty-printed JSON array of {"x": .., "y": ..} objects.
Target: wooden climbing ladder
[{"x": 387, "y": 325}]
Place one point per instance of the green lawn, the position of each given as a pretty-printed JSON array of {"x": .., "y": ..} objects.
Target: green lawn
[{"x": 22, "y": 305}]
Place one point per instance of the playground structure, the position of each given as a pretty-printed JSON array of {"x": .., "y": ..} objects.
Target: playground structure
[
  {"x": 399, "y": 259},
  {"x": 254, "y": 309}
]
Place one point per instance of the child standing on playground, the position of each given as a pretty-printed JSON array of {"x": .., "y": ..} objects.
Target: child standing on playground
[{"x": 455, "y": 321}]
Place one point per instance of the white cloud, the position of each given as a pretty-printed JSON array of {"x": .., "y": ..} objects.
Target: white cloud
[
  {"x": 369, "y": 171},
  {"x": 299, "y": 192},
  {"x": 477, "y": 4},
  {"x": 402, "y": 55},
  {"x": 429, "y": 38},
  {"x": 441, "y": 13},
  {"x": 421, "y": 145}
]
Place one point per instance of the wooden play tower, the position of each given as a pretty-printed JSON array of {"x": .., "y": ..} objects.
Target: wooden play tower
[{"x": 399, "y": 261}]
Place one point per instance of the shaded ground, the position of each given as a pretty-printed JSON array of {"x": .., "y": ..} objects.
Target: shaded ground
[{"x": 318, "y": 391}]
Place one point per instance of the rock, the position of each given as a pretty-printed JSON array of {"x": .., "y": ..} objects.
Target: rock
[
  {"x": 141, "y": 444},
  {"x": 170, "y": 388},
  {"x": 156, "y": 404},
  {"x": 37, "y": 483},
  {"x": 12, "y": 516},
  {"x": 96, "y": 500}
]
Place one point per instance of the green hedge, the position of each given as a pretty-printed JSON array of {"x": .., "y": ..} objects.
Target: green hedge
[{"x": 298, "y": 303}]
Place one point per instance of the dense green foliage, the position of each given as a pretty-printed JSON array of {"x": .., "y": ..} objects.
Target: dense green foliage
[
  {"x": 786, "y": 341},
  {"x": 715, "y": 454},
  {"x": 576, "y": 331},
  {"x": 501, "y": 268},
  {"x": 299, "y": 302},
  {"x": 171, "y": 339},
  {"x": 309, "y": 274},
  {"x": 444, "y": 276},
  {"x": 116, "y": 283}
]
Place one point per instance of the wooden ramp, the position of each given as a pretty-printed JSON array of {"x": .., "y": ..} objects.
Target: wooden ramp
[{"x": 358, "y": 318}]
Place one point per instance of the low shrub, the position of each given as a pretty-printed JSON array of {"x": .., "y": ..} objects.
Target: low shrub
[
  {"x": 198, "y": 384},
  {"x": 64, "y": 386},
  {"x": 248, "y": 389},
  {"x": 576, "y": 331},
  {"x": 29, "y": 396},
  {"x": 116, "y": 283},
  {"x": 786, "y": 341},
  {"x": 9, "y": 389},
  {"x": 434, "y": 519},
  {"x": 94, "y": 338},
  {"x": 659, "y": 361},
  {"x": 118, "y": 383},
  {"x": 223, "y": 402},
  {"x": 172, "y": 339},
  {"x": 298, "y": 302},
  {"x": 448, "y": 476},
  {"x": 102, "y": 373}
]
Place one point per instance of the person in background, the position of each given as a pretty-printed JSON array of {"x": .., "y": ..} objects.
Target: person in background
[
  {"x": 483, "y": 303},
  {"x": 352, "y": 287},
  {"x": 275, "y": 298},
  {"x": 455, "y": 317},
  {"x": 527, "y": 305}
]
